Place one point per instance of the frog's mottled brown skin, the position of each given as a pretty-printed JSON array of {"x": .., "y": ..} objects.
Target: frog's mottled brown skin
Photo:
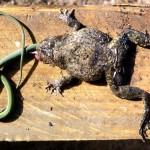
[{"x": 88, "y": 53}]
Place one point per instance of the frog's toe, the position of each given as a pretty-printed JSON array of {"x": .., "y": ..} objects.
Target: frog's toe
[
  {"x": 70, "y": 12},
  {"x": 145, "y": 125},
  {"x": 143, "y": 134},
  {"x": 65, "y": 13},
  {"x": 53, "y": 87}
]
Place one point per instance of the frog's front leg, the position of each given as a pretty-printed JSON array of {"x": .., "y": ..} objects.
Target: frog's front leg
[
  {"x": 68, "y": 17},
  {"x": 58, "y": 84},
  {"x": 129, "y": 92}
]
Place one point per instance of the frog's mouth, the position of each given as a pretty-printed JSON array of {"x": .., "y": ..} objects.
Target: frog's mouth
[{"x": 37, "y": 56}]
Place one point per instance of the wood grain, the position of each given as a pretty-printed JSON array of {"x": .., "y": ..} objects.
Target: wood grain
[{"x": 87, "y": 111}]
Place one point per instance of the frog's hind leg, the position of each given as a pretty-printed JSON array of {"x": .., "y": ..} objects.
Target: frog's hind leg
[
  {"x": 122, "y": 41},
  {"x": 68, "y": 17},
  {"x": 122, "y": 46},
  {"x": 137, "y": 37},
  {"x": 129, "y": 92}
]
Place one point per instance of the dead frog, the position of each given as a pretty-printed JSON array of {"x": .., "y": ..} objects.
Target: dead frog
[{"x": 88, "y": 53}]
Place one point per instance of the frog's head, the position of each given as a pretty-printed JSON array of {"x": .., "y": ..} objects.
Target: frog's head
[
  {"x": 45, "y": 51},
  {"x": 48, "y": 51},
  {"x": 46, "y": 56}
]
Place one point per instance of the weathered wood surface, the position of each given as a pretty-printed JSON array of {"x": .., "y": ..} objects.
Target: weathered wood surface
[{"x": 87, "y": 111}]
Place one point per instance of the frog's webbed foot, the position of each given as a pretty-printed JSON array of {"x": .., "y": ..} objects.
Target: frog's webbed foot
[
  {"x": 68, "y": 17},
  {"x": 145, "y": 123},
  {"x": 53, "y": 86},
  {"x": 65, "y": 14},
  {"x": 56, "y": 86}
]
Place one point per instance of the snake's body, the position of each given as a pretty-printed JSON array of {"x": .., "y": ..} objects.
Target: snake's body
[{"x": 10, "y": 100}]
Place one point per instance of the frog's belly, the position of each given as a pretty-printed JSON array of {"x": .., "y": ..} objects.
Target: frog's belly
[
  {"x": 85, "y": 72},
  {"x": 85, "y": 63}
]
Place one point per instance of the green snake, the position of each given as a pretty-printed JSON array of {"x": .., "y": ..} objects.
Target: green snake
[{"x": 10, "y": 100}]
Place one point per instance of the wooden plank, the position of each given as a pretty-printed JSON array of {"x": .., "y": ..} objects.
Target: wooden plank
[{"x": 87, "y": 111}]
